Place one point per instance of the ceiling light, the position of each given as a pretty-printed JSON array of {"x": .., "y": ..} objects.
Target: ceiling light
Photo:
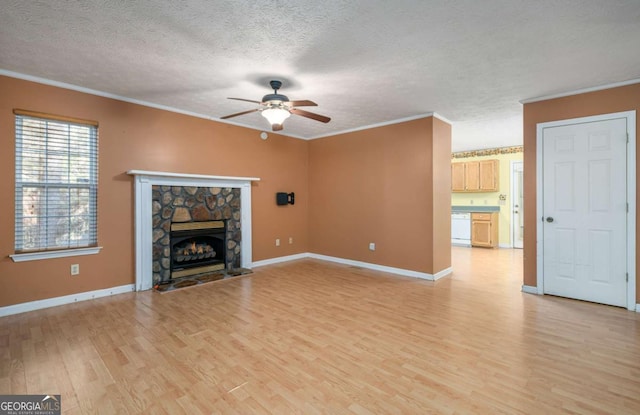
[{"x": 275, "y": 115}]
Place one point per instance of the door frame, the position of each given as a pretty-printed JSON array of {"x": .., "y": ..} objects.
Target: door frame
[
  {"x": 630, "y": 117},
  {"x": 513, "y": 201}
]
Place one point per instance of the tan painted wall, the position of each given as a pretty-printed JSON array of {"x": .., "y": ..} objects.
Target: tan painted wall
[
  {"x": 441, "y": 182},
  {"x": 136, "y": 137},
  {"x": 625, "y": 98},
  {"x": 492, "y": 198},
  {"x": 378, "y": 185}
]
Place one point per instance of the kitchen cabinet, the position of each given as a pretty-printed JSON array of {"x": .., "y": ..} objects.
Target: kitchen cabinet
[
  {"x": 475, "y": 176},
  {"x": 457, "y": 177},
  {"x": 489, "y": 175},
  {"x": 484, "y": 229}
]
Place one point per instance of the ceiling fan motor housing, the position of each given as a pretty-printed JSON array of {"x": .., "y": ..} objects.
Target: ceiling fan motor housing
[{"x": 274, "y": 97}]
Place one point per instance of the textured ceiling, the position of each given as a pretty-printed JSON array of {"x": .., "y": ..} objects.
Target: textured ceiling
[{"x": 364, "y": 62}]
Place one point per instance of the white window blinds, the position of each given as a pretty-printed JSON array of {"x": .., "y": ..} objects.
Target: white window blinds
[{"x": 56, "y": 182}]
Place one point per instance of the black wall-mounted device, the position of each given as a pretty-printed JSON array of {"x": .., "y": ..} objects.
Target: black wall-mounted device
[{"x": 285, "y": 198}]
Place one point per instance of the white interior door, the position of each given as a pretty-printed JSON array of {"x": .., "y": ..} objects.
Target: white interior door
[
  {"x": 585, "y": 210},
  {"x": 517, "y": 202}
]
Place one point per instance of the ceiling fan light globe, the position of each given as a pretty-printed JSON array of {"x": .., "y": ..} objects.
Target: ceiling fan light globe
[{"x": 275, "y": 115}]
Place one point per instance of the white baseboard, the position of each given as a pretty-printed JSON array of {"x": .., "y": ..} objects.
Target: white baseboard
[
  {"x": 505, "y": 246},
  {"x": 637, "y": 308},
  {"x": 67, "y": 299},
  {"x": 442, "y": 273},
  {"x": 277, "y": 260},
  {"x": 392, "y": 270},
  {"x": 384, "y": 268}
]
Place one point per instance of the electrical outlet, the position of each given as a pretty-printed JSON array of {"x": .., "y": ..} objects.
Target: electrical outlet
[
  {"x": 277, "y": 242},
  {"x": 486, "y": 201},
  {"x": 75, "y": 269},
  {"x": 372, "y": 246},
  {"x": 471, "y": 202},
  {"x": 290, "y": 240}
]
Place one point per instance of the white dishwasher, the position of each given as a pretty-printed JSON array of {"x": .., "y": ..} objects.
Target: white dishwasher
[{"x": 461, "y": 228}]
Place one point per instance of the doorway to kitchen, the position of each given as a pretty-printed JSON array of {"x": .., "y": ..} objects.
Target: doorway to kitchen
[{"x": 483, "y": 218}]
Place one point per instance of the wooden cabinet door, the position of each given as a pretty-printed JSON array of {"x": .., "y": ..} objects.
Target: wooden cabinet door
[
  {"x": 472, "y": 176},
  {"x": 481, "y": 233},
  {"x": 488, "y": 175},
  {"x": 484, "y": 229},
  {"x": 457, "y": 177}
]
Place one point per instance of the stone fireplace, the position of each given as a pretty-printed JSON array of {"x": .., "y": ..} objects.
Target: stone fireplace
[
  {"x": 164, "y": 199},
  {"x": 205, "y": 220}
]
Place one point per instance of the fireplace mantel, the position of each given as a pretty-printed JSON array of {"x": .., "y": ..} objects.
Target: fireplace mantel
[
  {"x": 187, "y": 176},
  {"x": 144, "y": 181}
]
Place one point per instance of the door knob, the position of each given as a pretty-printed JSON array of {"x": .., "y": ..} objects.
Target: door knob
[{"x": 549, "y": 219}]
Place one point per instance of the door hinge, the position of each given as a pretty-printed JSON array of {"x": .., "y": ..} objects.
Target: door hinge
[
  {"x": 627, "y": 137},
  {"x": 627, "y": 207},
  {"x": 627, "y": 277}
]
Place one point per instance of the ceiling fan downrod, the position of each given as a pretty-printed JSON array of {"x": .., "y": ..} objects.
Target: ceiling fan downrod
[{"x": 275, "y": 85}]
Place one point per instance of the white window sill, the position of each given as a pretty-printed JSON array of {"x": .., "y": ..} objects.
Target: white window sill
[{"x": 34, "y": 256}]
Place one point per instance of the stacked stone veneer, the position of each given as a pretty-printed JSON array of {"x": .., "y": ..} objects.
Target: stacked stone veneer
[{"x": 192, "y": 204}]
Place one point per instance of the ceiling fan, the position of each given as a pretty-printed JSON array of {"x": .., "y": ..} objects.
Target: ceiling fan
[{"x": 276, "y": 108}]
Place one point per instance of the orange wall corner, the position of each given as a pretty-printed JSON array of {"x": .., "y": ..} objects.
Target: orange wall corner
[{"x": 377, "y": 185}]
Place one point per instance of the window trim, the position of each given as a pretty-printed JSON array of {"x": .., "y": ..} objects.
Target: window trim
[
  {"x": 35, "y": 256},
  {"x": 62, "y": 118}
]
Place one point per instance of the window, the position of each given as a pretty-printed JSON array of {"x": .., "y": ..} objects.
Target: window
[{"x": 56, "y": 182}]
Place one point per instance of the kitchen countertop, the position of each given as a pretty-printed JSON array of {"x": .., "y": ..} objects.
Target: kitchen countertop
[{"x": 484, "y": 208}]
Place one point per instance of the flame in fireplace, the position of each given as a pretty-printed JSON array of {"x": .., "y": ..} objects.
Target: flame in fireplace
[{"x": 193, "y": 250}]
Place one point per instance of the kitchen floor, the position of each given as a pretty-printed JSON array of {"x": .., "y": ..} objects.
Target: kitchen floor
[{"x": 479, "y": 264}]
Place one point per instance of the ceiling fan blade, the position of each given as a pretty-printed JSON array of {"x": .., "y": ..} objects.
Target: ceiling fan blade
[
  {"x": 247, "y": 100},
  {"x": 277, "y": 127},
  {"x": 311, "y": 115},
  {"x": 303, "y": 103},
  {"x": 238, "y": 113}
]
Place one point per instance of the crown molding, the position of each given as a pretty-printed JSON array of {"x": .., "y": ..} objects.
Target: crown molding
[
  {"x": 382, "y": 124},
  {"x": 109, "y": 95},
  {"x": 580, "y": 91}
]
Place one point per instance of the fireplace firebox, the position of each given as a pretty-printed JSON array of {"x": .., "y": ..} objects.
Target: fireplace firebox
[{"x": 197, "y": 247}]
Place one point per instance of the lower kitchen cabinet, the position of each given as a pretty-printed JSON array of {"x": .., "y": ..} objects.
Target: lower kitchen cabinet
[{"x": 484, "y": 229}]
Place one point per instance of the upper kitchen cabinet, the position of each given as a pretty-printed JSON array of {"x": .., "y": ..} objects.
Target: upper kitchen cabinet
[
  {"x": 489, "y": 175},
  {"x": 457, "y": 177},
  {"x": 475, "y": 176}
]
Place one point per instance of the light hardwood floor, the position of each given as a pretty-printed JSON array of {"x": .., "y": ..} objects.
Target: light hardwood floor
[{"x": 312, "y": 337}]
